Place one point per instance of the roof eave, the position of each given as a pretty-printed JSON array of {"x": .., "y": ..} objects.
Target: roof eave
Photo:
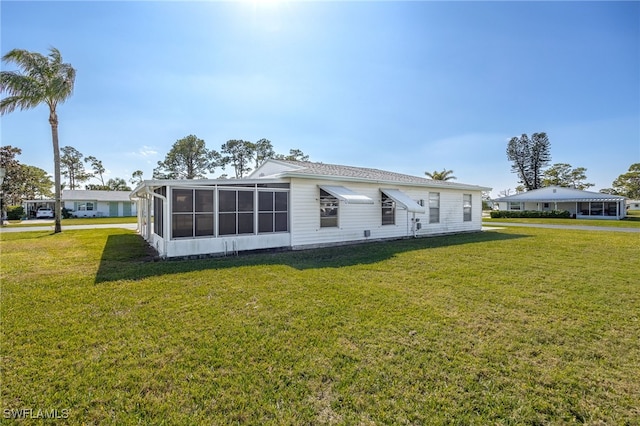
[
  {"x": 201, "y": 182},
  {"x": 433, "y": 184}
]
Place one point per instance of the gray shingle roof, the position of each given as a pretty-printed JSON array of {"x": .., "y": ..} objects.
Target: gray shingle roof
[
  {"x": 303, "y": 168},
  {"x": 91, "y": 195}
]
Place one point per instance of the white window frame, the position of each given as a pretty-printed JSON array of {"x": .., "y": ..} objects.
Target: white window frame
[
  {"x": 388, "y": 204},
  {"x": 434, "y": 207},
  {"x": 329, "y": 203},
  {"x": 467, "y": 203}
]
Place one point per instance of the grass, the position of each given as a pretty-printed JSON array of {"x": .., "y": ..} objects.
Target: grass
[
  {"x": 79, "y": 221},
  {"x": 631, "y": 221},
  {"x": 517, "y": 326}
]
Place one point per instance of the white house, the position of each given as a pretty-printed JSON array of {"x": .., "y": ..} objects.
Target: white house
[
  {"x": 633, "y": 205},
  {"x": 296, "y": 205},
  {"x": 85, "y": 203},
  {"x": 581, "y": 204}
]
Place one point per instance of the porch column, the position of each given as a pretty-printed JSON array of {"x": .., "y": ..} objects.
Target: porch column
[{"x": 147, "y": 214}]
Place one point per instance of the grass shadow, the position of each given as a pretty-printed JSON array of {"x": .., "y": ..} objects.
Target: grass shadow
[{"x": 128, "y": 257}]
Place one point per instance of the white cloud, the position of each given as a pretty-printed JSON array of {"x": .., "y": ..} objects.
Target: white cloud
[{"x": 144, "y": 152}]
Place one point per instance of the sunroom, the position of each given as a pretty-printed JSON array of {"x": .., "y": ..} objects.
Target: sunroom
[{"x": 187, "y": 218}]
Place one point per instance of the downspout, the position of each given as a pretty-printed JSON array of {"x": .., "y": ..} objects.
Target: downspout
[
  {"x": 408, "y": 229},
  {"x": 414, "y": 225},
  {"x": 165, "y": 221}
]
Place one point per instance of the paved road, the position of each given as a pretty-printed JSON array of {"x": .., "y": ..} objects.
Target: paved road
[
  {"x": 131, "y": 226},
  {"x": 578, "y": 227}
]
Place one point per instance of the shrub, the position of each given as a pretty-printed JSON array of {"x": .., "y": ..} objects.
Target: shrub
[
  {"x": 66, "y": 213},
  {"x": 15, "y": 212},
  {"x": 553, "y": 214}
]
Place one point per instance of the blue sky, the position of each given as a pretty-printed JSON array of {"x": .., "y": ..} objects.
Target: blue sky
[{"x": 402, "y": 86}]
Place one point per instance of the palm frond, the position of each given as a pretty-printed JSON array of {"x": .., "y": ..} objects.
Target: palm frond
[{"x": 42, "y": 80}]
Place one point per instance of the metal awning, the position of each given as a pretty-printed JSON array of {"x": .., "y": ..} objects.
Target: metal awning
[
  {"x": 404, "y": 200},
  {"x": 346, "y": 195}
]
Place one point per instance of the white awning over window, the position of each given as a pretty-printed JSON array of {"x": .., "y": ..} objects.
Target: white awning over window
[
  {"x": 346, "y": 195},
  {"x": 403, "y": 200}
]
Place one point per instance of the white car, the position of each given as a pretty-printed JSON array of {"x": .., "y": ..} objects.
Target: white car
[{"x": 44, "y": 212}]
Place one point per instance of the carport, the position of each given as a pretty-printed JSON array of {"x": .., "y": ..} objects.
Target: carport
[{"x": 31, "y": 206}]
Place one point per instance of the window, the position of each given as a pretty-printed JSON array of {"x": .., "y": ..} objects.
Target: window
[
  {"x": 434, "y": 207},
  {"x": 514, "y": 205},
  {"x": 466, "y": 207},
  {"x": 273, "y": 211},
  {"x": 192, "y": 213},
  {"x": 388, "y": 210},
  {"x": 236, "y": 212},
  {"x": 88, "y": 206},
  {"x": 328, "y": 210}
]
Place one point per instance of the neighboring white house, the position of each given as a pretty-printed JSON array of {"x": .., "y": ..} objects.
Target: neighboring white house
[
  {"x": 85, "y": 203},
  {"x": 581, "y": 204},
  {"x": 633, "y": 205},
  {"x": 296, "y": 205}
]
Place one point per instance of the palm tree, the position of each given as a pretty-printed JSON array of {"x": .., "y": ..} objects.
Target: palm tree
[
  {"x": 443, "y": 175},
  {"x": 41, "y": 79}
]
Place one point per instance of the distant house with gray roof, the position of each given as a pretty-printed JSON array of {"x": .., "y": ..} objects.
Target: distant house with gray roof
[
  {"x": 296, "y": 205},
  {"x": 87, "y": 203},
  {"x": 581, "y": 204}
]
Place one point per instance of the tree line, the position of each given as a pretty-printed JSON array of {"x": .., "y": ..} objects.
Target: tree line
[
  {"x": 189, "y": 158},
  {"x": 25, "y": 182},
  {"x": 22, "y": 182}
]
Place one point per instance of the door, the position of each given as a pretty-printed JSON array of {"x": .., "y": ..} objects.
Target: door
[{"x": 113, "y": 209}]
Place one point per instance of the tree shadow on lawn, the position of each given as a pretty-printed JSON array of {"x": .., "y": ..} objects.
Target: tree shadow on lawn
[{"x": 128, "y": 257}]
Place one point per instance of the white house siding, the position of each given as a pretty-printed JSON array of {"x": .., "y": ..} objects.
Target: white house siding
[
  {"x": 561, "y": 206},
  {"x": 101, "y": 208},
  {"x": 451, "y": 212},
  {"x": 222, "y": 245},
  {"x": 354, "y": 219}
]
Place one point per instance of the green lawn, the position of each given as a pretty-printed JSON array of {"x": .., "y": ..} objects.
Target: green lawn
[
  {"x": 632, "y": 221},
  {"x": 517, "y": 326},
  {"x": 79, "y": 221}
]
